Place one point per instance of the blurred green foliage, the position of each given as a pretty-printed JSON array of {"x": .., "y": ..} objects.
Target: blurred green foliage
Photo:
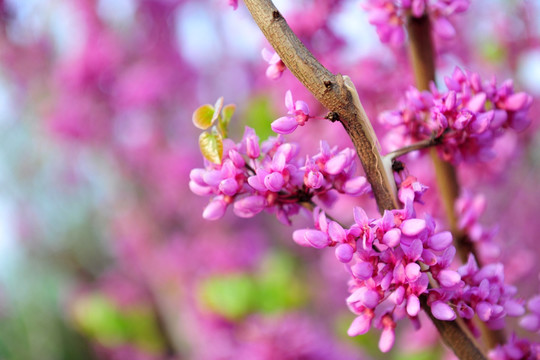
[
  {"x": 274, "y": 287},
  {"x": 104, "y": 321}
]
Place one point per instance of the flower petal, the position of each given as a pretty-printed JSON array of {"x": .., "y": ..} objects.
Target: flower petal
[
  {"x": 284, "y": 125},
  {"x": 442, "y": 311}
]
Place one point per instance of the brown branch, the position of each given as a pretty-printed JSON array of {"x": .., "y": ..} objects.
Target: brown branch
[
  {"x": 338, "y": 95},
  {"x": 335, "y": 92},
  {"x": 466, "y": 347},
  {"x": 423, "y": 63},
  {"x": 424, "y": 144}
]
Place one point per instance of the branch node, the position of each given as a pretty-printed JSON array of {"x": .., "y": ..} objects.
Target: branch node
[
  {"x": 332, "y": 116},
  {"x": 398, "y": 166},
  {"x": 328, "y": 85}
]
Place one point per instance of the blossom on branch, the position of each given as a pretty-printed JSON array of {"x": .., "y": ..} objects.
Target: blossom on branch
[
  {"x": 276, "y": 67},
  {"x": 389, "y": 16},
  {"x": 466, "y": 118},
  {"x": 389, "y": 259},
  {"x": 298, "y": 115},
  {"x": 271, "y": 176}
]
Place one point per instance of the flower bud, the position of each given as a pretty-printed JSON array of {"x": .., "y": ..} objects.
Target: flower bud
[
  {"x": 249, "y": 206},
  {"x": 214, "y": 210},
  {"x": 274, "y": 182},
  {"x": 284, "y": 125},
  {"x": 344, "y": 253}
]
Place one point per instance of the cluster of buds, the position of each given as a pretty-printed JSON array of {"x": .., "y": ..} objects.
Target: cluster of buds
[
  {"x": 388, "y": 16},
  {"x": 389, "y": 260},
  {"x": 466, "y": 119},
  {"x": 271, "y": 176},
  {"x": 484, "y": 293},
  {"x": 516, "y": 349}
]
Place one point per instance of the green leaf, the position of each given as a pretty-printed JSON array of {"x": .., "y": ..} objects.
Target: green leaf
[
  {"x": 211, "y": 146},
  {"x": 98, "y": 317},
  {"x": 429, "y": 353},
  {"x": 203, "y": 117},
  {"x": 217, "y": 109},
  {"x": 225, "y": 119},
  {"x": 493, "y": 52},
  {"x": 278, "y": 285},
  {"x": 260, "y": 114},
  {"x": 143, "y": 330},
  {"x": 230, "y": 296}
]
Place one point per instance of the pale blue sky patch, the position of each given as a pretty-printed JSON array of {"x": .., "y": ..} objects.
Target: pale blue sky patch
[
  {"x": 197, "y": 36},
  {"x": 529, "y": 71}
]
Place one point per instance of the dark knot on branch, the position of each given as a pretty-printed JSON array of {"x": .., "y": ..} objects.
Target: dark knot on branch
[
  {"x": 276, "y": 15},
  {"x": 332, "y": 116}
]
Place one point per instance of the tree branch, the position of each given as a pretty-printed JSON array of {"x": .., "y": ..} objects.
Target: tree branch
[
  {"x": 338, "y": 95},
  {"x": 335, "y": 92}
]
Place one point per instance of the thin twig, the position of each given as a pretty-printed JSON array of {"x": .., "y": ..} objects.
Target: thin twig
[{"x": 424, "y": 144}]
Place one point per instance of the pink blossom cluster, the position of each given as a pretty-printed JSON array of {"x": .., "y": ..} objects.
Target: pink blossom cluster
[
  {"x": 271, "y": 176},
  {"x": 389, "y": 259},
  {"x": 388, "y": 16},
  {"x": 466, "y": 119},
  {"x": 516, "y": 349},
  {"x": 484, "y": 293}
]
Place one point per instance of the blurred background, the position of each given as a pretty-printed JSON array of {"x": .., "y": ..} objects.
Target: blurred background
[{"x": 103, "y": 250}]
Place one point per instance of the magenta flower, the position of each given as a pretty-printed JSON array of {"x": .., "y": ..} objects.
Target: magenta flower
[
  {"x": 269, "y": 176},
  {"x": 215, "y": 209},
  {"x": 468, "y": 118},
  {"x": 442, "y": 311},
  {"x": 388, "y": 16},
  {"x": 249, "y": 206},
  {"x": 234, "y": 4},
  {"x": 298, "y": 114},
  {"x": 276, "y": 67}
]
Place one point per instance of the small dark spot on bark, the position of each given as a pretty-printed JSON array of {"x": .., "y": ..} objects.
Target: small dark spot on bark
[
  {"x": 332, "y": 116},
  {"x": 398, "y": 166},
  {"x": 328, "y": 84},
  {"x": 276, "y": 15}
]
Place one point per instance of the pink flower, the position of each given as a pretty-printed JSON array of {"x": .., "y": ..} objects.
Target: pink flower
[
  {"x": 298, "y": 114},
  {"x": 234, "y": 4},
  {"x": 468, "y": 118},
  {"x": 276, "y": 67}
]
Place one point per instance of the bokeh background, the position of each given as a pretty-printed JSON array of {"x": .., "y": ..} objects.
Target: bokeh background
[{"x": 103, "y": 250}]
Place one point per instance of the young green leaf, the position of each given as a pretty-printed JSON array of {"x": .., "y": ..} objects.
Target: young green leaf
[
  {"x": 203, "y": 117},
  {"x": 211, "y": 146},
  {"x": 217, "y": 109},
  {"x": 225, "y": 119}
]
